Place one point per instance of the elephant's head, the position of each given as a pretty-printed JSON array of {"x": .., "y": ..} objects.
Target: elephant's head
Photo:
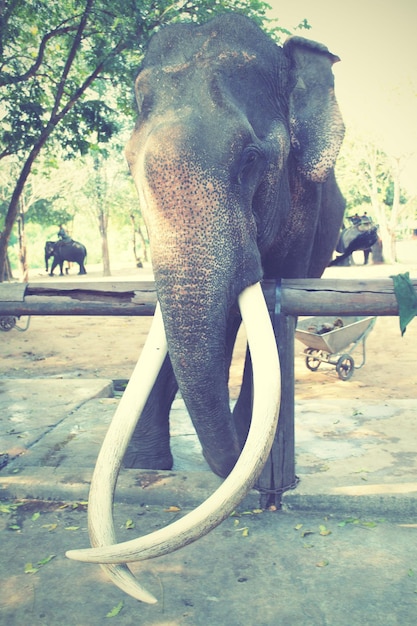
[{"x": 232, "y": 155}]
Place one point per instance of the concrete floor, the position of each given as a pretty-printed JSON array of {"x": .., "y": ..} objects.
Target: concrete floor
[{"x": 342, "y": 550}]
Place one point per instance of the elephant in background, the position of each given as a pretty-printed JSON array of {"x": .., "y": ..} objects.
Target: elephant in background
[
  {"x": 362, "y": 235},
  {"x": 65, "y": 251},
  {"x": 233, "y": 158}
]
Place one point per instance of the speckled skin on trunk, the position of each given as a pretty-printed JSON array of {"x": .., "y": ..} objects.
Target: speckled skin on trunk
[{"x": 233, "y": 156}]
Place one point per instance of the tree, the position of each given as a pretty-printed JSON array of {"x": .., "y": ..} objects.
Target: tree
[
  {"x": 98, "y": 189},
  {"x": 138, "y": 231},
  {"x": 51, "y": 56},
  {"x": 41, "y": 201},
  {"x": 370, "y": 177}
]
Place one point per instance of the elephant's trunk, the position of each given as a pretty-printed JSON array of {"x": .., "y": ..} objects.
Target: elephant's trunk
[
  {"x": 204, "y": 253},
  {"x": 196, "y": 340},
  {"x": 214, "y": 510}
]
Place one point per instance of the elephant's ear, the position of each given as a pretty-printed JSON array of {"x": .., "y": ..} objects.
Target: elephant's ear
[{"x": 316, "y": 125}]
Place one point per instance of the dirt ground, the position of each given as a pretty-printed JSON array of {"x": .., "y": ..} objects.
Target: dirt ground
[
  {"x": 210, "y": 581},
  {"x": 104, "y": 347}
]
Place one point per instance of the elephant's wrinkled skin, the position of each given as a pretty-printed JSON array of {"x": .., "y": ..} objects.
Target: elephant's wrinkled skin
[{"x": 233, "y": 156}]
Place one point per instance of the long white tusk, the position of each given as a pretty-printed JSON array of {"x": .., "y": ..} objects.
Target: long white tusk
[
  {"x": 224, "y": 500},
  {"x": 103, "y": 483}
]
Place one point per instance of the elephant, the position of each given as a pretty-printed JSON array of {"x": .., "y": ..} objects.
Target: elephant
[
  {"x": 233, "y": 158},
  {"x": 65, "y": 251},
  {"x": 358, "y": 237}
]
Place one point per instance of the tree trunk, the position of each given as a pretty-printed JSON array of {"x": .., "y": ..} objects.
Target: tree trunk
[
  {"x": 103, "y": 219},
  {"x": 138, "y": 260},
  {"x": 13, "y": 209},
  {"x": 22, "y": 244},
  {"x": 396, "y": 174},
  {"x": 137, "y": 230},
  {"x": 384, "y": 231},
  {"x": 144, "y": 244}
]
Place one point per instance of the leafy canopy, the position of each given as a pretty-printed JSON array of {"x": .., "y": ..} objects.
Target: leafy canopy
[
  {"x": 67, "y": 69},
  {"x": 51, "y": 54}
]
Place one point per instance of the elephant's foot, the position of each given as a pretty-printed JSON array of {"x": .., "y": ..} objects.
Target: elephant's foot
[
  {"x": 221, "y": 465},
  {"x": 139, "y": 459}
]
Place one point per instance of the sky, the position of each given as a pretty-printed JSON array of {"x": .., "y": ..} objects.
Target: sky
[{"x": 376, "y": 80}]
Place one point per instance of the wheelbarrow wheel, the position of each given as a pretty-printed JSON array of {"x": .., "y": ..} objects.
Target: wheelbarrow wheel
[
  {"x": 345, "y": 367},
  {"x": 312, "y": 362},
  {"x": 7, "y": 322}
]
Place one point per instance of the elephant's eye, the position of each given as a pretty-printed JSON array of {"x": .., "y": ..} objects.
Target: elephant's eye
[
  {"x": 145, "y": 105},
  {"x": 251, "y": 159}
]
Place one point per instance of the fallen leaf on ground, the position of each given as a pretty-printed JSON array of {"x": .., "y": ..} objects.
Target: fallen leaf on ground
[
  {"x": 46, "y": 560},
  {"x": 9, "y": 508},
  {"x": 115, "y": 610}
]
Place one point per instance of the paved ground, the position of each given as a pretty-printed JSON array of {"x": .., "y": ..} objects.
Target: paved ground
[{"x": 342, "y": 551}]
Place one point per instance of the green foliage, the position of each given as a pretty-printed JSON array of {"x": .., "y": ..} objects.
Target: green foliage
[
  {"x": 389, "y": 194},
  {"x": 51, "y": 54},
  {"x": 364, "y": 169},
  {"x": 45, "y": 71},
  {"x": 43, "y": 200},
  {"x": 50, "y": 58},
  {"x": 67, "y": 70},
  {"x": 371, "y": 181},
  {"x": 87, "y": 124},
  {"x": 44, "y": 212}
]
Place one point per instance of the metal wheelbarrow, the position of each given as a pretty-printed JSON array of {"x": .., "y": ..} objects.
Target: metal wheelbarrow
[{"x": 332, "y": 340}]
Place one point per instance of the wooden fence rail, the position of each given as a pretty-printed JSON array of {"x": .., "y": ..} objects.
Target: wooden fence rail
[{"x": 296, "y": 297}]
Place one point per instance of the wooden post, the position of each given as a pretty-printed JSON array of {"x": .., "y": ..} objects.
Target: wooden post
[
  {"x": 283, "y": 448},
  {"x": 278, "y": 474}
]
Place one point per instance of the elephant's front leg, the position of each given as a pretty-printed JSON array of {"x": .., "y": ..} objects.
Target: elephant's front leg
[
  {"x": 242, "y": 411},
  {"x": 53, "y": 266},
  {"x": 149, "y": 447}
]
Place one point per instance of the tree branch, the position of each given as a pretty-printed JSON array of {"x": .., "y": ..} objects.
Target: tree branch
[
  {"x": 71, "y": 57},
  {"x": 6, "y": 79}
]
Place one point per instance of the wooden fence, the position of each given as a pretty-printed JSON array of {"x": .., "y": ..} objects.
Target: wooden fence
[
  {"x": 301, "y": 297},
  {"x": 298, "y": 297}
]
